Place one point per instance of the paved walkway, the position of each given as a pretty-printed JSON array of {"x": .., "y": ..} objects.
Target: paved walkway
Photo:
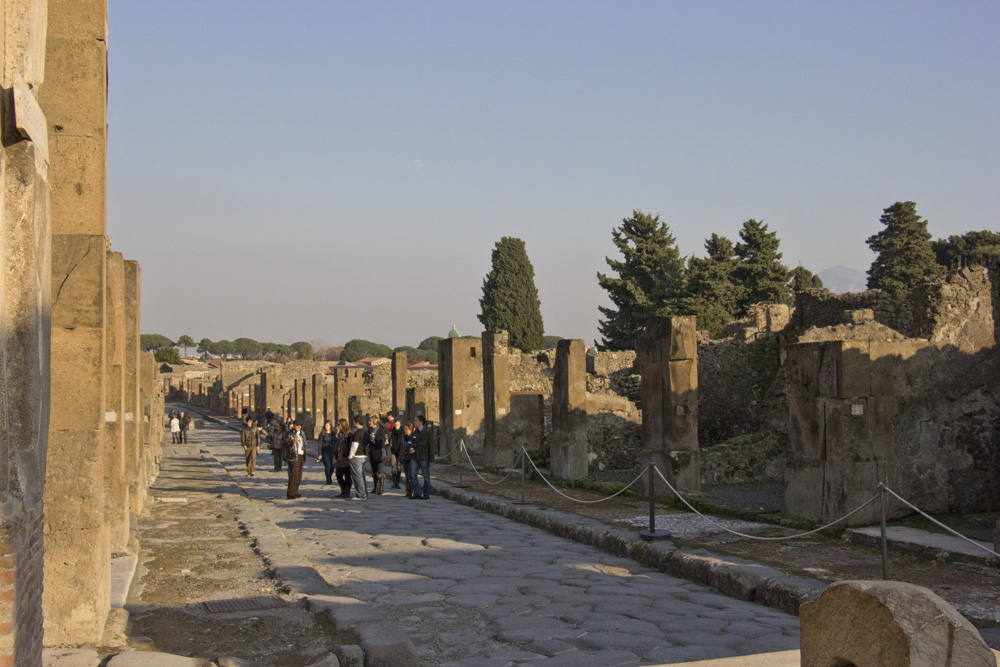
[{"x": 471, "y": 588}]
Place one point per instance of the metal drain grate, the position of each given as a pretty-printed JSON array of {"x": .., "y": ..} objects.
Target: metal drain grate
[{"x": 243, "y": 604}]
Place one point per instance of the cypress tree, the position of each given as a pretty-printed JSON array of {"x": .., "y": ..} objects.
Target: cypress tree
[
  {"x": 714, "y": 294},
  {"x": 761, "y": 273},
  {"x": 904, "y": 255},
  {"x": 650, "y": 282},
  {"x": 510, "y": 299}
]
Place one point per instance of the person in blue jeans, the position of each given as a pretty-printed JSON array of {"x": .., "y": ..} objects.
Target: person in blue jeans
[
  {"x": 421, "y": 459},
  {"x": 327, "y": 440},
  {"x": 357, "y": 459}
]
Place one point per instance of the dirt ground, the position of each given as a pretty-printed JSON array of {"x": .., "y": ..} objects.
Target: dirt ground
[{"x": 972, "y": 588}]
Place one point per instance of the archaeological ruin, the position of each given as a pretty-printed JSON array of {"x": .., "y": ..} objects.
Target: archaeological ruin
[{"x": 829, "y": 398}]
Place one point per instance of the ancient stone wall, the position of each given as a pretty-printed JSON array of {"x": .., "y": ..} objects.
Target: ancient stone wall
[{"x": 24, "y": 329}]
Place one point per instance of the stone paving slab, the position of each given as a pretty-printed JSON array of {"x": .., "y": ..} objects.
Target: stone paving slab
[{"x": 472, "y": 588}]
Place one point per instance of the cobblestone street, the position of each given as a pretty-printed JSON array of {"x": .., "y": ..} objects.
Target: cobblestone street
[{"x": 472, "y": 588}]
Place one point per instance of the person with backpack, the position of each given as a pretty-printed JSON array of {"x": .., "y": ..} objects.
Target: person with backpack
[{"x": 295, "y": 455}]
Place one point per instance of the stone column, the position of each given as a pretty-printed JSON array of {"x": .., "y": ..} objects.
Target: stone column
[
  {"x": 316, "y": 424},
  {"x": 568, "y": 447},
  {"x": 498, "y": 450},
  {"x": 25, "y": 326},
  {"x": 459, "y": 374},
  {"x": 133, "y": 406},
  {"x": 667, "y": 353},
  {"x": 399, "y": 374},
  {"x": 77, "y": 540},
  {"x": 116, "y": 507}
]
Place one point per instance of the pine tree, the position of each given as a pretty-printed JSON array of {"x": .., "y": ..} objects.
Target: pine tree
[
  {"x": 715, "y": 297},
  {"x": 510, "y": 299},
  {"x": 650, "y": 282},
  {"x": 904, "y": 255},
  {"x": 761, "y": 273},
  {"x": 803, "y": 279}
]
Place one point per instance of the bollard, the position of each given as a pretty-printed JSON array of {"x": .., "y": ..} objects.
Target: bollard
[
  {"x": 885, "y": 540},
  {"x": 461, "y": 467},
  {"x": 652, "y": 535},
  {"x": 524, "y": 467}
]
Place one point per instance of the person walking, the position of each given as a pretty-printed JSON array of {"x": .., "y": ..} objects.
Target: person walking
[
  {"x": 357, "y": 458},
  {"x": 342, "y": 450},
  {"x": 327, "y": 443},
  {"x": 175, "y": 428},
  {"x": 421, "y": 462},
  {"x": 250, "y": 439},
  {"x": 185, "y": 425},
  {"x": 296, "y": 456}
]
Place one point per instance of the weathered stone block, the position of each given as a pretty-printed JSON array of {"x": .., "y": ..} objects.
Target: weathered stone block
[
  {"x": 77, "y": 395},
  {"x": 803, "y": 479},
  {"x": 854, "y": 365},
  {"x": 888, "y": 624},
  {"x": 900, "y": 368},
  {"x": 70, "y": 504},
  {"x": 806, "y": 429},
  {"x": 848, "y": 431},
  {"x": 846, "y": 486},
  {"x": 804, "y": 363},
  {"x": 78, "y": 277}
]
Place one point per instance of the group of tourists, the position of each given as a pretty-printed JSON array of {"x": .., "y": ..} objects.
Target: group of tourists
[
  {"x": 179, "y": 423},
  {"x": 391, "y": 449}
]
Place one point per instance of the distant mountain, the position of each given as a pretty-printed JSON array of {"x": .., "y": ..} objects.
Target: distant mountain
[{"x": 841, "y": 279}]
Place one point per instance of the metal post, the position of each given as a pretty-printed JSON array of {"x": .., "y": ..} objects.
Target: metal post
[
  {"x": 885, "y": 541},
  {"x": 461, "y": 467},
  {"x": 524, "y": 467},
  {"x": 651, "y": 534}
]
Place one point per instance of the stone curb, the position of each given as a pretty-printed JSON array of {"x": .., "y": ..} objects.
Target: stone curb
[{"x": 736, "y": 577}]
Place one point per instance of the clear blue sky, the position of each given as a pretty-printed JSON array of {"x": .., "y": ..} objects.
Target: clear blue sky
[{"x": 328, "y": 170}]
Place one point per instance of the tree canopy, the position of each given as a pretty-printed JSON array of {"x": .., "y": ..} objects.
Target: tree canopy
[
  {"x": 167, "y": 355},
  {"x": 359, "y": 348},
  {"x": 510, "y": 299},
  {"x": 763, "y": 277},
  {"x": 714, "y": 295},
  {"x": 150, "y": 342},
  {"x": 430, "y": 344},
  {"x": 803, "y": 279},
  {"x": 904, "y": 258},
  {"x": 970, "y": 248},
  {"x": 650, "y": 282}
]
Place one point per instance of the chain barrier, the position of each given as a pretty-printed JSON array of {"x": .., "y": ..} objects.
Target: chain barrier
[
  {"x": 525, "y": 457},
  {"x": 486, "y": 481},
  {"x": 935, "y": 521},
  {"x": 757, "y": 537},
  {"x": 524, "y": 453}
]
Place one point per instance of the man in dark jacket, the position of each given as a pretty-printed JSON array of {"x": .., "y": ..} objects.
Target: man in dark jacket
[
  {"x": 421, "y": 462},
  {"x": 375, "y": 442}
]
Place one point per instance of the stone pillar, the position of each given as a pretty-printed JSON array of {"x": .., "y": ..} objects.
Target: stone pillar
[
  {"x": 568, "y": 447},
  {"x": 133, "y": 406},
  {"x": 460, "y": 375},
  {"x": 399, "y": 374},
  {"x": 25, "y": 326},
  {"x": 77, "y": 541},
  {"x": 667, "y": 353},
  {"x": 116, "y": 507},
  {"x": 315, "y": 424},
  {"x": 498, "y": 449}
]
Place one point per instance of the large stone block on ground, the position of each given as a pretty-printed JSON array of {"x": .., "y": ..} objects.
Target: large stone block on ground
[{"x": 887, "y": 624}]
